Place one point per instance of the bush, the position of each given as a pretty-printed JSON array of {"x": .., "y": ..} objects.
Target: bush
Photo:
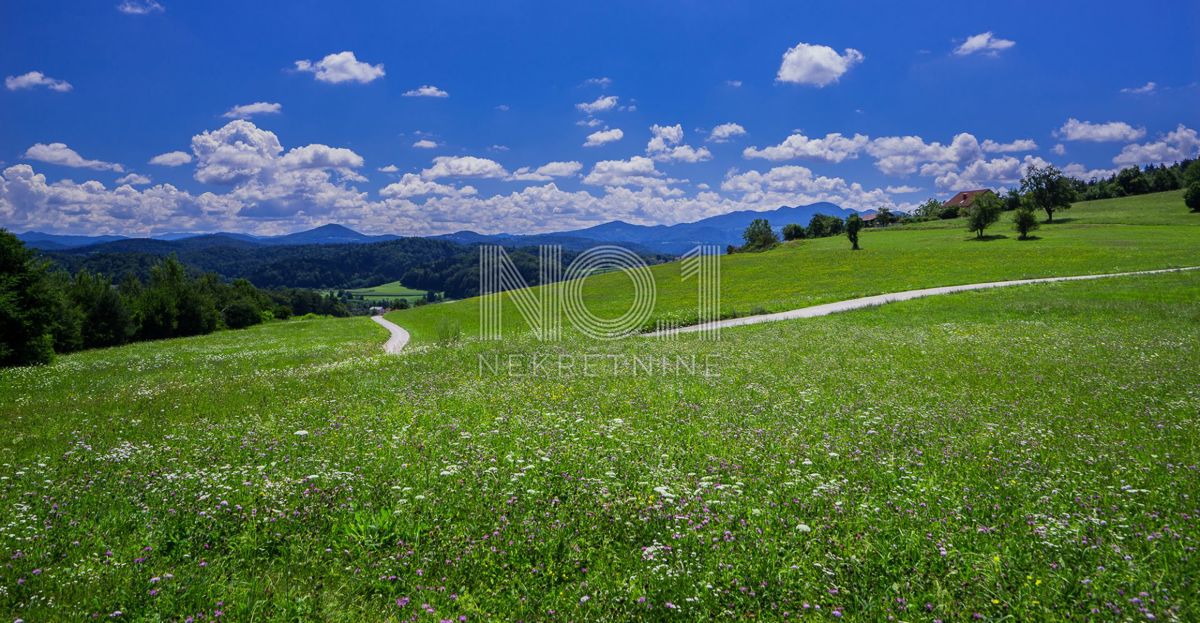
[
  {"x": 242, "y": 314},
  {"x": 1025, "y": 221},
  {"x": 793, "y": 231},
  {"x": 1191, "y": 197}
]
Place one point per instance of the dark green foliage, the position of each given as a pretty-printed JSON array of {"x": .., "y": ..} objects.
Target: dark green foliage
[
  {"x": 885, "y": 217},
  {"x": 853, "y": 225},
  {"x": 1046, "y": 188},
  {"x": 1191, "y": 173},
  {"x": 27, "y": 306},
  {"x": 793, "y": 231},
  {"x": 931, "y": 209},
  {"x": 1191, "y": 197},
  {"x": 1024, "y": 221},
  {"x": 823, "y": 226},
  {"x": 1012, "y": 200},
  {"x": 759, "y": 236},
  {"x": 1132, "y": 181},
  {"x": 984, "y": 212}
]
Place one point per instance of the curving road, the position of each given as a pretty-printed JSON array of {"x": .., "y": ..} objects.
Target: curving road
[
  {"x": 880, "y": 299},
  {"x": 399, "y": 338}
]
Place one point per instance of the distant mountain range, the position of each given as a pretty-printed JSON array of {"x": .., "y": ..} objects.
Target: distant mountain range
[{"x": 721, "y": 230}]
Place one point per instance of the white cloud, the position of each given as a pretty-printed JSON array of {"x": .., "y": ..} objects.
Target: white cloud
[
  {"x": 391, "y": 168},
  {"x": 341, "y": 67},
  {"x": 172, "y": 159},
  {"x": 36, "y": 79},
  {"x": 245, "y": 111},
  {"x": 133, "y": 179},
  {"x": 903, "y": 155},
  {"x": 637, "y": 171},
  {"x": 984, "y": 43},
  {"x": 140, "y": 7},
  {"x": 317, "y": 156},
  {"x": 547, "y": 171},
  {"x": 818, "y": 65},
  {"x": 833, "y": 148},
  {"x": 1059, "y": 149},
  {"x": 1176, "y": 145},
  {"x": 603, "y": 82},
  {"x": 596, "y": 139},
  {"x": 603, "y": 103},
  {"x": 665, "y": 145},
  {"x": 724, "y": 132},
  {"x": 502, "y": 107},
  {"x": 411, "y": 185},
  {"x": 426, "y": 91},
  {"x": 1006, "y": 172},
  {"x": 902, "y": 190},
  {"x": 60, "y": 154},
  {"x": 235, "y": 153},
  {"x": 1145, "y": 89},
  {"x": 1023, "y": 144},
  {"x": 1076, "y": 130},
  {"x": 1080, "y": 172},
  {"x": 796, "y": 185},
  {"x": 425, "y": 144},
  {"x": 463, "y": 166}
]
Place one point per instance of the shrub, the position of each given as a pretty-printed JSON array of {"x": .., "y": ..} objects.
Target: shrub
[
  {"x": 1191, "y": 197},
  {"x": 1024, "y": 221},
  {"x": 793, "y": 231},
  {"x": 241, "y": 314}
]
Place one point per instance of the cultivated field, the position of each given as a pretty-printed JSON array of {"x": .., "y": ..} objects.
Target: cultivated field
[{"x": 391, "y": 291}]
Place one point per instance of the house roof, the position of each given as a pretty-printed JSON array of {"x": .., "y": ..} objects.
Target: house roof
[{"x": 965, "y": 197}]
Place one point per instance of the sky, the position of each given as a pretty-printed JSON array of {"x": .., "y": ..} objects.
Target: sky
[{"x": 143, "y": 117}]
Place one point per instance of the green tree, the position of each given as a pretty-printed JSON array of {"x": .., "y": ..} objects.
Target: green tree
[
  {"x": 885, "y": 217},
  {"x": 27, "y": 304},
  {"x": 1024, "y": 221},
  {"x": 853, "y": 225},
  {"x": 793, "y": 231},
  {"x": 1191, "y": 174},
  {"x": 1132, "y": 182},
  {"x": 1191, "y": 197},
  {"x": 1048, "y": 189},
  {"x": 931, "y": 209},
  {"x": 1012, "y": 200},
  {"x": 983, "y": 212},
  {"x": 823, "y": 225},
  {"x": 759, "y": 236}
]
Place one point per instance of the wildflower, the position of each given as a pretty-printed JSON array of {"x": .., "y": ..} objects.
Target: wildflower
[{"x": 301, "y": 433}]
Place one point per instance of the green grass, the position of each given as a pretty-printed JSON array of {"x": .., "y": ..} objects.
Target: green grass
[
  {"x": 1024, "y": 454},
  {"x": 1135, "y": 233},
  {"x": 390, "y": 291}
]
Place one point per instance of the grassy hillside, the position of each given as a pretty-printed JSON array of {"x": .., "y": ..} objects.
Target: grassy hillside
[
  {"x": 1134, "y": 233},
  {"x": 1020, "y": 454}
]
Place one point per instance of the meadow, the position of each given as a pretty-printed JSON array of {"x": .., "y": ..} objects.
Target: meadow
[
  {"x": 1020, "y": 454},
  {"x": 1116, "y": 235},
  {"x": 390, "y": 291}
]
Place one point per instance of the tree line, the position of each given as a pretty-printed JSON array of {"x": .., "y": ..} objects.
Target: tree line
[{"x": 44, "y": 311}]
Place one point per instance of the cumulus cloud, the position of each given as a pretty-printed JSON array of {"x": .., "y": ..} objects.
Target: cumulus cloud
[
  {"x": 1080, "y": 172},
  {"x": 411, "y": 185},
  {"x": 1145, "y": 89},
  {"x": 425, "y": 144},
  {"x": 1024, "y": 144},
  {"x": 725, "y": 132},
  {"x": 1006, "y": 171},
  {"x": 317, "y": 156},
  {"x": 903, "y": 155},
  {"x": 1076, "y": 130},
  {"x": 796, "y": 185},
  {"x": 60, "y": 154},
  {"x": 902, "y": 190},
  {"x": 984, "y": 43},
  {"x": 602, "y": 137},
  {"x": 245, "y": 111},
  {"x": 666, "y": 145},
  {"x": 817, "y": 65},
  {"x": 341, "y": 67},
  {"x": 426, "y": 91},
  {"x": 133, "y": 179},
  {"x": 833, "y": 148},
  {"x": 391, "y": 168},
  {"x": 547, "y": 171},
  {"x": 603, "y": 103},
  {"x": 172, "y": 159},
  {"x": 637, "y": 171},
  {"x": 464, "y": 166},
  {"x": 36, "y": 79},
  {"x": 1059, "y": 149},
  {"x": 737, "y": 84},
  {"x": 1179, "y": 144},
  {"x": 140, "y": 7}
]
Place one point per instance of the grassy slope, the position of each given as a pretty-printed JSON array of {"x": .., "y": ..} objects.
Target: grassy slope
[
  {"x": 1150, "y": 231},
  {"x": 388, "y": 292},
  {"x": 1027, "y": 454}
]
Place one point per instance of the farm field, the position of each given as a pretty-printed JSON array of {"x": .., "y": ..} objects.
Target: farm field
[
  {"x": 390, "y": 291},
  {"x": 1020, "y": 454},
  {"x": 1117, "y": 235}
]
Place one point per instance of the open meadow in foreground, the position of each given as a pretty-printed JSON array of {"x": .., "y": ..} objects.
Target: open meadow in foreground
[{"x": 1022, "y": 454}]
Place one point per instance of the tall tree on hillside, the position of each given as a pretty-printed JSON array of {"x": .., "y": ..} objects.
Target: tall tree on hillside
[
  {"x": 759, "y": 236},
  {"x": 983, "y": 212},
  {"x": 853, "y": 225},
  {"x": 1047, "y": 189},
  {"x": 27, "y": 303},
  {"x": 793, "y": 231}
]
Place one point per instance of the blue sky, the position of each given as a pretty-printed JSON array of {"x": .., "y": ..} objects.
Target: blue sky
[{"x": 139, "y": 117}]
